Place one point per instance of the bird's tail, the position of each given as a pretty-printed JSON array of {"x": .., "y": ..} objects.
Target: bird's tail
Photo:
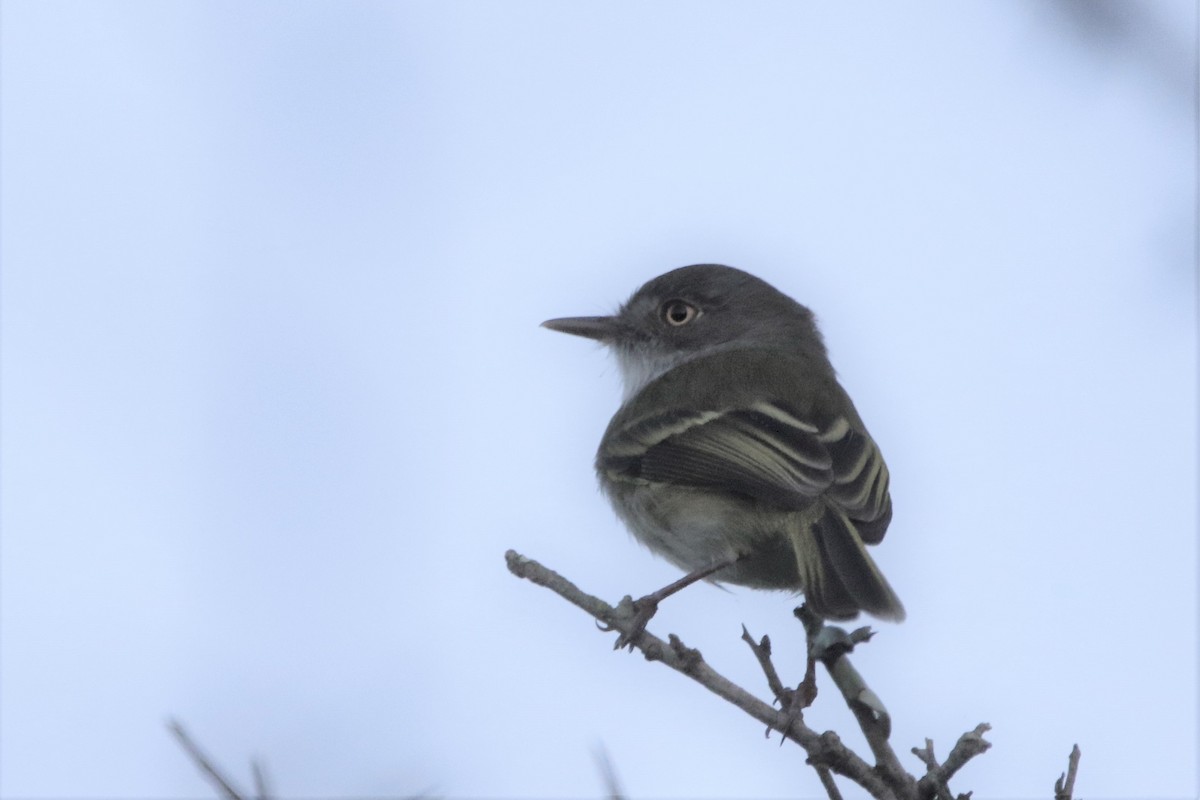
[{"x": 839, "y": 576}]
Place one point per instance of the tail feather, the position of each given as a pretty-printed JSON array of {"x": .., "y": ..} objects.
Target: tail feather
[
  {"x": 840, "y": 577},
  {"x": 824, "y": 591}
]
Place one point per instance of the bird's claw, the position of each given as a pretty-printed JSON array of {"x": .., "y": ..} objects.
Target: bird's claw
[{"x": 638, "y": 613}]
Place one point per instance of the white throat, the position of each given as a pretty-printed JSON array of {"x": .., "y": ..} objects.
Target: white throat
[{"x": 639, "y": 368}]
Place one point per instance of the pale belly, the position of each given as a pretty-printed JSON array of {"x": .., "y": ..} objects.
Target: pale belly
[{"x": 694, "y": 529}]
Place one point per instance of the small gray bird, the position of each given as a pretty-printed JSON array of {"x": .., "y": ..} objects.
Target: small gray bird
[{"x": 736, "y": 455}]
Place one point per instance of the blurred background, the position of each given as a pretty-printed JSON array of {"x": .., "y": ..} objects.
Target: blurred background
[{"x": 275, "y": 400}]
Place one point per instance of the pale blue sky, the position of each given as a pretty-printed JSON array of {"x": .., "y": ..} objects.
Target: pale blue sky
[{"x": 275, "y": 400}]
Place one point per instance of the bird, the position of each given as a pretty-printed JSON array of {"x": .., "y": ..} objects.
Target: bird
[{"x": 736, "y": 454}]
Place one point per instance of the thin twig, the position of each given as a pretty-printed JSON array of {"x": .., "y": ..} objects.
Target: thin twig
[
  {"x": 792, "y": 701},
  {"x": 762, "y": 652},
  {"x": 608, "y": 773},
  {"x": 202, "y": 761},
  {"x": 1064, "y": 787}
]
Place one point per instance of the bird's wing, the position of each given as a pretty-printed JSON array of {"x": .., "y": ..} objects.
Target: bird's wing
[{"x": 763, "y": 451}]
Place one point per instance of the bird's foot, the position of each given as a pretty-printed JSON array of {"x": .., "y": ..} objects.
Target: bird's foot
[
  {"x": 631, "y": 618},
  {"x": 641, "y": 611}
]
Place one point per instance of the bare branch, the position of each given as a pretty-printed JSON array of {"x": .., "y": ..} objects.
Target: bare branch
[
  {"x": 822, "y": 749},
  {"x": 969, "y": 745},
  {"x": 933, "y": 770},
  {"x": 830, "y": 645}
]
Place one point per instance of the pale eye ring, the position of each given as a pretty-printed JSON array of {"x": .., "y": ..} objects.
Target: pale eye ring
[{"x": 678, "y": 313}]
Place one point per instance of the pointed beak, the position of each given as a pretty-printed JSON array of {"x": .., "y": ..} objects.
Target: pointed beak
[{"x": 602, "y": 329}]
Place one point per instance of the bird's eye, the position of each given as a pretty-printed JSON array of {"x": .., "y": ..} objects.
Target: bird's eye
[{"x": 678, "y": 313}]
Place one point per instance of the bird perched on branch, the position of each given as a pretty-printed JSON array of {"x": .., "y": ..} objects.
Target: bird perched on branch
[{"x": 736, "y": 454}]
